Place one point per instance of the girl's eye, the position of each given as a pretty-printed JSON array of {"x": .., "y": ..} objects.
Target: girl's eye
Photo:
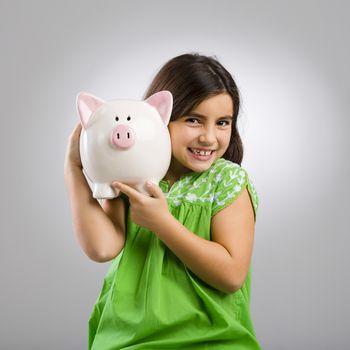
[
  {"x": 196, "y": 121},
  {"x": 191, "y": 120},
  {"x": 224, "y": 121}
]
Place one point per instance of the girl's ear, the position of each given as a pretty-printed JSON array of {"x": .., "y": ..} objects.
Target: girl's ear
[
  {"x": 162, "y": 101},
  {"x": 86, "y": 105}
]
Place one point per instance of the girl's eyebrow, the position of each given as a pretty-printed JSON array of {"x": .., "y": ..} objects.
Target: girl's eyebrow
[{"x": 205, "y": 117}]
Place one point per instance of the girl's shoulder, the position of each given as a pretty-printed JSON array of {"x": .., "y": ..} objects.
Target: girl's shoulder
[
  {"x": 231, "y": 179},
  {"x": 221, "y": 164},
  {"x": 222, "y": 182}
]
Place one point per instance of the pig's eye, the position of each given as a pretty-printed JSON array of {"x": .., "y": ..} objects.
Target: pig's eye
[
  {"x": 116, "y": 118},
  {"x": 128, "y": 118}
]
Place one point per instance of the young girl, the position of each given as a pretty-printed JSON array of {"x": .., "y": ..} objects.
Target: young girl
[{"x": 180, "y": 271}]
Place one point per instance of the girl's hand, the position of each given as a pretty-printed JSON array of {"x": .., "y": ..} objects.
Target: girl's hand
[
  {"x": 72, "y": 158},
  {"x": 148, "y": 212}
]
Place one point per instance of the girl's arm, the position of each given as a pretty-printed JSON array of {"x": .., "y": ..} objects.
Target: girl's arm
[
  {"x": 223, "y": 261},
  {"x": 101, "y": 234}
]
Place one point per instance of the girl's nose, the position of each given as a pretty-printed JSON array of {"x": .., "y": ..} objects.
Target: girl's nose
[{"x": 208, "y": 136}]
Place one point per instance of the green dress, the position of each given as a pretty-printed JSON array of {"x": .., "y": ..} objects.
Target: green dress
[{"x": 151, "y": 300}]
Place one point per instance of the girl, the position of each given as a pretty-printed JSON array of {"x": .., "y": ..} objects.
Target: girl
[{"x": 180, "y": 271}]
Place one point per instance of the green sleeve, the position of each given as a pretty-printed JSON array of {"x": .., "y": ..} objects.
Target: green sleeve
[{"x": 231, "y": 183}]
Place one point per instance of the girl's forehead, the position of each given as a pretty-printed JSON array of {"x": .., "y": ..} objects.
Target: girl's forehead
[{"x": 217, "y": 106}]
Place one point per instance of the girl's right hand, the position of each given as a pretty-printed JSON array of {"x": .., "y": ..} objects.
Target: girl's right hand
[{"x": 72, "y": 159}]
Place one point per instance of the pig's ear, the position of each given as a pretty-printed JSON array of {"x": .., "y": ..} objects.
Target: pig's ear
[
  {"x": 162, "y": 101},
  {"x": 86, "y": 105}
]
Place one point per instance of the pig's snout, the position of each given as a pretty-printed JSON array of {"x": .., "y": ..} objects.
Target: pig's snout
[{"x": 123, "y": 136}]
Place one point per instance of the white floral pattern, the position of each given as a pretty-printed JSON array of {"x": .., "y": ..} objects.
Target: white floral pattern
[{"x": 218, "y": 186}]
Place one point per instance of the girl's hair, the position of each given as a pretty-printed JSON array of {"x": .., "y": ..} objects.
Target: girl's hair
[{"x": 192, "y": 78}]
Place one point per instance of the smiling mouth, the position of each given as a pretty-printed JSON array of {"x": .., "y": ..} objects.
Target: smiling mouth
[{"x": 200, "y": 152}]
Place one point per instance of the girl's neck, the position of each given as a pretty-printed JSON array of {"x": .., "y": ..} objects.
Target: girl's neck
[
  {"x": 175, "y": 171},
  {"x": 171, "y": 177}
]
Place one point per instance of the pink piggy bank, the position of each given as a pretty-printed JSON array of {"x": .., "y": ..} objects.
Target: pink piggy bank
[{"x": 124, "y": 140}]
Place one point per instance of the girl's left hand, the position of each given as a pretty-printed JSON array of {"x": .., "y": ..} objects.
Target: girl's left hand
[{"x": 145, "y": 211}]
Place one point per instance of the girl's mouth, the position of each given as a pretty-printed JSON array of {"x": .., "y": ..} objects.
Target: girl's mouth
[{"x": 201, "y": 155}]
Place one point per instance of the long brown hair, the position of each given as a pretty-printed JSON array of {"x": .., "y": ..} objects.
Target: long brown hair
[{"x": 192, "y": 78}]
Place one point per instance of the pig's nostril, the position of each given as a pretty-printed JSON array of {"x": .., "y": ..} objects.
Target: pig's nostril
[
  {"x": 128, "y": 135},
  {"x": 118, "y": 136}
]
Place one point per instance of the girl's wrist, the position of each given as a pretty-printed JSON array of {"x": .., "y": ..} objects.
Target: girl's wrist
[{"x": 164, "y": 220}]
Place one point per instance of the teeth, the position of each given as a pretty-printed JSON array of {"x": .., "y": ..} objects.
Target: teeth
[{"x": 202, "y": 153}]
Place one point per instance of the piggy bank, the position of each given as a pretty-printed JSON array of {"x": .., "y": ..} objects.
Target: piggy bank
[{"x": 124, "y": 140}]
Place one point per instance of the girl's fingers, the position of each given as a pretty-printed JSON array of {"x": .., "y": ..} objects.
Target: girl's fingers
[
  {"x": 76, "y": 132},
  {"x": 129, "y": 191},
  {"x": 77, "y": 129},
  {"x": 73, "y": 152}
]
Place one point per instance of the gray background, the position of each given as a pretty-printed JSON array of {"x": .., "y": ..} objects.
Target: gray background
[{"x": 290, "y": 61}]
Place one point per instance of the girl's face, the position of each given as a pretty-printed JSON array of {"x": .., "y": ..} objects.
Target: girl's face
[{"x": 206, "y": 128}]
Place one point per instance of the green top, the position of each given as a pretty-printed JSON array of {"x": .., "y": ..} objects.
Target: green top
[{"x": 151, "y": 300}]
